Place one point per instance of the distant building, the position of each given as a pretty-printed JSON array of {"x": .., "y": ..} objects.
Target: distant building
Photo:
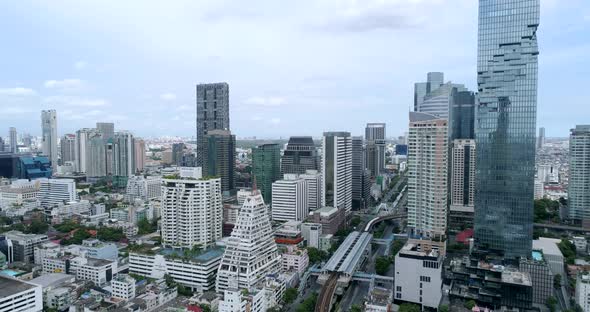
[
  {"x": 251, "y": 252},
  {"x": 579, "y": 175},
  {"x": 212, "y": 114},
  {"x": 219, "y": 152},
  {"x": 49, "y": 136},
  {"x": 192, "y": 209},
  {"x": 375, "y": 148},
  {"x": 462, "y": 184},
  {"x": 418, "y": 273},
  {"x": 299, "y": 156},
  {"x": 68, "y": 148},
  {"x": 56, "y": 191},
  {"x": 427, "y": 189},
  {"x": 266, "y": 168},
  {"x": 290, "y": 199},
  {"x": 359, "y": 196},
  {"x": 337, "y": 170},
  {"x": 313, "y": 181},
  {"x": 17, "y": 295},
  {"x": 177, "y": 153},
  {"x": 139, "y": 154},
  {"x": 541, "y": 138},
  {"x": 34, "y": 167},
  {"x": 123, "y": 154},
  {"x": 13, "y": 142},
  {"x": 107, "y": 129},
  {"x": 145, "y": 188},
  {"x": 434, "y": 80},
  {"x": 332, "y": 219}
]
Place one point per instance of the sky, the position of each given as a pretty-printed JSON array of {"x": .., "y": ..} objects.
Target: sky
[{"x": 293, "y": 67}]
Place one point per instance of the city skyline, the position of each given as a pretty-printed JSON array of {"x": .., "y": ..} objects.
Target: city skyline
[{"x": 84, "y": 86}]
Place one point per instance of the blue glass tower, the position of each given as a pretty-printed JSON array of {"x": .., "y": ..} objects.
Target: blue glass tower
[{"x": 505, "y": 125}]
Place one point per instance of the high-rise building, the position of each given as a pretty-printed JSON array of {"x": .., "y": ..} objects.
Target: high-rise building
[
  {"x": 67, "y": 146},
  {"x": 139, "y": 154},
  {"x": 266, "y": 168},
  {"x": 300, "y": 155},
  {"x": 251, "y": 252},
  {"x": 579, "y": 175},
  {"x": 219, "y": 150},
  {"x": 313, "y": 180},
  {"x": 375, "y": 148},
  {"x": 541, "y": 138},
  {"x": 427, "y": 175},
  {"x": 433, "y": 81},
  {"x": 192, "y": 209},
  {"x": 2, "y": 145},
  {"x": 82, "y": 141},
  {"x": 123, "y": 154},
  {"x": 49, "y": 133},
  {"x": 507, "y": 62},
  {"x": 439, "y": 101},
  {"x": 358, "y": 168},
  {"x": 290, "y": 200},
  {"x": 98, "y": 163},
  {"x": 13, "y": 143},
  {"x": 177, "y": 153},
  {"x": 461, "y": 185},
  {"x": 337, "y": 170},
  {"x": 212, "y": 113},
  {"x": 107, "y": 129},
  {"x": 462, "y": 115}
]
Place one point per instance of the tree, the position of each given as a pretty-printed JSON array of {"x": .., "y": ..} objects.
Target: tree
[
  {"x": 110, "y": 234},
  {"x": 381, "y": 265},
  {"x": 290, "y": 295},
  {"x": 557, "y": 281},
  {"x": 443, "y": 308},
  {"x": 356, "y": 308},
  {"x": 146, "y": 227},
  {"x": 551, "y": 303},
  {"x": 38, "y": 227},
  {"x": 408, "y": 307},
  {"x": 568, "y": 249},
  {"x": 355, "y": 221},
  {"x": 469, "y": 304},
  {"x": 315, "y": 255},
  {"x": 308, "y": 304},
  {"x": 397, "y": 246}
]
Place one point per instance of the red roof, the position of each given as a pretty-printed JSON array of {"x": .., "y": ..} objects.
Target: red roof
[
  {"x": 194, "y": 308},
  {"x": 463, "y": 237}
]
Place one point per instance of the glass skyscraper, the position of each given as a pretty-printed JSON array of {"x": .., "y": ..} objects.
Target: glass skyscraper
[{"x": 505, "y": 125}]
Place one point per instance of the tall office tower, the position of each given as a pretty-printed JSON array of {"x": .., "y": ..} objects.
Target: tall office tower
[
  {"x": 337, "y": 170},
  {"x": 290, "y": 199},
  {"x": 220, "y": 150},
  {"x": 579, "y": 177},
  {"x": 83, "y": 137},
  {"x": 212, "y": 113},
  {"x": 375, "y": 137},
  {"x": 139, "y": 154},
  {"x": 462, "y": 115},
  {"x": 541, "y": 138},
  {"x": 49, "y": 133},
  {"x": 67, "y": 146},
  {"x": 358, "y": 168},
  {"x": 439, "y": 101},
  {"x": 266, "y": 168},
  {"x": 463, "y": 174},
  {"x": 300, "y": 155},
  {"x": 124, "y": 154},
  {"x": 427, "y": 175},
  {"x": 107, "y": 129},
  {"x": 433, "y": 81},
  {"x": 96, "y": 156},
  {"x": 313, "y": 181},
  {"x": 506, "y": 122},
  {"x": 192, "y": 209},
  {"x": 251, "y": 252},
  {"x": 13, "y": 143},
  {"x": 177, "y": 153}
]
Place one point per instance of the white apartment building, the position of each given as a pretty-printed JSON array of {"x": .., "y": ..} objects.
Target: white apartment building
[
  {"x": 539, "y": 189},
  {"x": 462, "y": 176},
  {"x": 295, "y": 259},
  {"x": 418, "y": 273},
  {"x": 53, "y": 192},
  {"x": 196, "y": 272},
  {"x": 236, "y": 301},
  {"x": 290, "y": 200},
  {"x": 143, "y": 188},
  {"x": 192, "y": 209},
  {"x": 251, "y": 252},
  {"x": 583, "y": 291},
  {"x": 427, "y": 175},
  {"x": 64, "y": 211},
  {"x": 337, "y": 170},
  {"x": 19, "y": 193},
  {"x": 23, "y": 245},
  {"x": 314, "y": 188},
  {"x": 19, "y": 296},
  {"x": 123, "y": 286},
  {"x": 99, "y": 271},
  {"x": 311, "y": 233}
]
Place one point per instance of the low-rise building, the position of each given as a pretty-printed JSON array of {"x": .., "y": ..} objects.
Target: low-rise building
[
  {"x": 551, "y": 254},
  {"x": 243, "y": 301},
  {"x": 98, "y": 271},
  {"x": 94, "y": 248},
  {"x": 23, "y": 245},
  {"x": 195, "y": 270},
  {"x": 541, "y": 276},
  {"x": 581, "y": 244},
  {"x": 123, "y": 286},
  {"x": 17, "y": 295},
  {"x": 311, "y": 234},
  {"x": 289, "y": 234},
  {"x": 418, "y": 273},
  {"x": 583, "y": 291},
  {"x": 332, "y": 219},
  {"x": 59, "y": 290},
  {"x": 295, "y": 259}
]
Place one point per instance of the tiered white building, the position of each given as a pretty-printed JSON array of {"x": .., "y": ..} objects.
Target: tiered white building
[
  {"x": 192, "y": 209},
  {"x": 144, "y": 188},
  {"x": 251, "y": 252},
  {"x": 290, "y": 199}
]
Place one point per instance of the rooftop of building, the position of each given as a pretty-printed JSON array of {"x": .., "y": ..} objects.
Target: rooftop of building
[
  {"x": 516, "y": 277},
  {"x": 301, "y": 140},
  {"x": 547, "y": 245},
  {"x": 423, "y": 248},
  {"x": 10, "y": 286},
  {"x": 326, "y": 211},
  {"x": 94, "y": 262},
  {"x": 199, "y": 256},
  {"x": 52, "y": 279},
  {"x": 18, "y": 235}
]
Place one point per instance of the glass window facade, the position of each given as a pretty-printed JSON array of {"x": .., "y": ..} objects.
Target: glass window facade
[{"x": 505, "y": 125}]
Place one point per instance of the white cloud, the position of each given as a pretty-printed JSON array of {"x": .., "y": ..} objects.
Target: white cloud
[
  {"x": 75, "y": 101},
  {"x": 65, "y": 84},
  {"x": 80, "y": 65},
  {"x": 168, "y": 96},
  {"x": 185, "y": 108},
  {"x": 266, "y": 101},
  {"x": 18, "y": 91},
  {"x": 275, "y": 121}
]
